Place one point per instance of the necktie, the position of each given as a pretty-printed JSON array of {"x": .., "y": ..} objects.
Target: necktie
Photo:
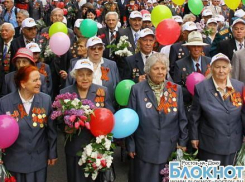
[
  {"x": 135, "y": 38},
  {"x": 241, "y": 46},
  {"x": 112, "y": 38},
  {"x": 198, "y": 68},
  {"x": 5, "y": 51}
]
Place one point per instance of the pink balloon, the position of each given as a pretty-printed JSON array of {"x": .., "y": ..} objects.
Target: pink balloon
[
  {"x": 144, "y": 12},
  {"x": 9, "y": 131},
  {"x": 193, "y": 79},
  {"x": 59, "y": 43}
]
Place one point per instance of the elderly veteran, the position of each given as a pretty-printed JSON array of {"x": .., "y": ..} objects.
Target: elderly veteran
[
  {"x": 23, "y": 57},
  {"x": 36, "y": 146},
  {"x": 85, "y": 89},
  {"x": 211, "y": 25},
  {"x": 217, "y": 114},
  {"x": 195, "y": 62},
  {"x": 162, "y": 120}
]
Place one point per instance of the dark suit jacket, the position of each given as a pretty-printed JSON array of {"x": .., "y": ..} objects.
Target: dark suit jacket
[
  {"x": 122, "y": 7},
  {"x": 227, "y": 47},
  {"x": 73, "y": 146},
  {"x": 16, "y": 44},
  {"x": 217, "y": 124},
  {"x": 158, "y": 133},
  {"x": 183, "y": 68},
  {"x": 34, "y": 145},
  {"x": 128, "y": 32},
  {"x": 17, "y": 32}
]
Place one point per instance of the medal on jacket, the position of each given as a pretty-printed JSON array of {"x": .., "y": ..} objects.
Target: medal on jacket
[
  {"x": 38, "y": 117},
  {"x": 100, "y": 98}
]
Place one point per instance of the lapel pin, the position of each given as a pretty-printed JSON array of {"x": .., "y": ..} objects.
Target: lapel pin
[
  {"x": 184, "y": 69},
  {"x": 216, "y": 95},
  {"x": 97, "y": 104},
  {"x": 145, "y": 99},
  {"x": 148, "y": 105}
]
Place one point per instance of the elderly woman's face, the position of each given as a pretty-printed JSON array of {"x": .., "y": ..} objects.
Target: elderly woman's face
[
  {"x": 158, "y": 72},
  {"x": 84, "y": 78},
  {"x": 33, "y": 84},
  {"x": 81, "y": 49},
  {"x": 21, "y": 62},
  {"x": 95, "y": 52},
  {"x": 220, "y": 69}
]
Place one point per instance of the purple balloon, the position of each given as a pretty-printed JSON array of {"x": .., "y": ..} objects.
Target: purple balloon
[
  {"x": 9, "y": 131},
  {"x": 59, "y": 43},
  {"x": 193, "y": 79}
]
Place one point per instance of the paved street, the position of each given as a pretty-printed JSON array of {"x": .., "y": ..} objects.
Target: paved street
[{"x": 57, "y": 173}]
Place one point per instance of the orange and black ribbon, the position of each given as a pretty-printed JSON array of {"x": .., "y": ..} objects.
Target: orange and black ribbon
[
  {"x": 105, "y": 72},
  {"x": 42, "y": 70},
  {"x": 100, "y": 97},
  {"x": 22, "y": 111}
]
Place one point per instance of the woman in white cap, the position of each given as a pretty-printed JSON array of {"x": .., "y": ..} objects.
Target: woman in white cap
[
  {"x": 217, "y": 114},
  {"x": 83, "y": 74},
  {"x": 23, "y": 57},
  {"x": 36, "y": 146}
]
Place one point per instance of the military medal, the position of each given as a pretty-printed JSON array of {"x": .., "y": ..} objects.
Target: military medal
[
  {"x": 215, "y": 94},
  {"x": 148, "y": 105},
  {"x": 34, "y": 124},
  {"x": 97, "y": 104},
  {"x": 145, "y": 99}
]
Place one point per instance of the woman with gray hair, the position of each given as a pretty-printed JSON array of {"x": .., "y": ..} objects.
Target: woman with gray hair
[
  {"x": 159, "y": 104},
  {"x": 83, "y": 74}
]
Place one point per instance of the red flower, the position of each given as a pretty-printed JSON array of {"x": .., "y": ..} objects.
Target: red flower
[
  {"x": 94, "y": 166},
  {"x": 101, "y": 36},
  {"x": 12, "y": 179},
  {"x": 103, "y": 163}
]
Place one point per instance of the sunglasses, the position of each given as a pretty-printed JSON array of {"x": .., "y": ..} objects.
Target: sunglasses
[{"x": 99, "y": 48}]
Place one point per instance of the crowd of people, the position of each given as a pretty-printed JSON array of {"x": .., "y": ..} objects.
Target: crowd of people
[{"x": 211, "y": 120}]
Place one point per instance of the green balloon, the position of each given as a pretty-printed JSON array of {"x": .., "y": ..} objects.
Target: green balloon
[
  {"x": 160, "y": 13},
  {"x": 243, "y": 2},
  {"x": 195, "y": 6},
  {"x": 57, "y": 27},
  {"x": 122, "y": 92},
  {"x": 88, "y": 28}
]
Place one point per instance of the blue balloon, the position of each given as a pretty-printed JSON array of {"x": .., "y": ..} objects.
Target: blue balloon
[{"x": 126, "y": 122}]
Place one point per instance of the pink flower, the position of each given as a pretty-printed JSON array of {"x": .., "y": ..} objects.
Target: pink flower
[
  {"x": 103, "y": 163},
  {"x": 81, "y": 123},
  {"x": 84, "y": 118},
  {"x": 77, "y": 124},
  {"x": 99, "y": 156},
  {"x": 87, "y": 125},
  {"x": 94, "y": 165},
  {"x": 72, "y": 118}
]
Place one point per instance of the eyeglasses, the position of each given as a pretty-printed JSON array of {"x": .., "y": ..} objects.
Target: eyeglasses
[{"x": 99, "y": 48}]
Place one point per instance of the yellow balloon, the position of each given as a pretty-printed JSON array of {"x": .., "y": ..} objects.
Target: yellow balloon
[
  {"x": 232, "y": 4},
  {"x": 178, "y": 2},
  {"x": 160, "y": 13}
]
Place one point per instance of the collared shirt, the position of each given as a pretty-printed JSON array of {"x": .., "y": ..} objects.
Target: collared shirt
[
  {"x": 28, "y": 41},
  {"x": 239, "y": 45},
  {"x": 26, "y": 103},
  {"x": 144, "y": 56},
  {"x": 221, "y": 90},
  {"x": 114, "y": 32},
  {"x": 133, "y": 32},
  {"x": 97, "y": 73},
  {"x": 199, "y": 62},
  {"x": 8, "y": 44},
  {"x": 11, "y": 17}
]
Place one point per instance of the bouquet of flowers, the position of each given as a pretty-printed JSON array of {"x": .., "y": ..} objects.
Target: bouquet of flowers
[
  {"x": 71, "y": 12},
  {"x": 177, "y": 156},
  {"x": 97, "y": 156},
  {"x": 4, "y": 174},
  {"x": 121, "y": 49},
  {"x": 73, "y": 112},
  {"x": 46, "y": 52}
]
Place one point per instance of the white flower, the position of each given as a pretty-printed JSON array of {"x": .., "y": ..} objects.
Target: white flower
[
  {"x": 66, "y": 100},
  {"x": 88, "y": 150},
  {"x": 75, "y": 102},
  {"x": 109, "y": 161},
  {"x": 94, "y": 155},
  {"x": 97, "y": 162},
  {"x": 80, "y": 162},
  {"x": 107, "y": 144},
  {"x": 84, "y": 157},
  {"x": 86, "y": 175},
  {"x": 94, "y": 175},
  {"x": 99, "y": 139}
]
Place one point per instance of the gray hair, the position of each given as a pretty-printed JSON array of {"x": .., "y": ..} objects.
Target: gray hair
[
  {"x": 188, "y": 17},
  {"x": 156, "y": 57},
  {"x": 111, "y": 13},
  {"x": 211, "y": 70},
  {"x": 24, "y": 12},
  {"x": 56, "y": 9},
  {"x": 73, "y": 73},
  {"x": 9, "y": 25}
]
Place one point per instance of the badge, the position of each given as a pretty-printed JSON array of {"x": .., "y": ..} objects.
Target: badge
[
  {"x": 183, "y": 53},
  {"x": 97, "y": 104},
  {"x": 34, "y": 124},
  {"x": 134, "y": 70},
  {"x": 174, "y": 99},
  {"x": 102, "y": 104},
  {"x": 41, "y": 125},
  {"x": 175, "y": 109},
  {"x": 184, "y": 69},
  {"x": 180, "y": 49},
  {"x": 216, "y": 94},
  {"x": 145, "y": 99},
  {"x": 148, "y": 105},
  {"x": 166, "y": 93}
]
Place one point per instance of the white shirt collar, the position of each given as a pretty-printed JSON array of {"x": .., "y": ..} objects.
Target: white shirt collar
[{"x": 26, "y": 101}]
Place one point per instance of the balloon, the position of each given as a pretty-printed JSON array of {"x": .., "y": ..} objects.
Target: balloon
[
  {"x": 159, "y": 13},
  {"x": 178, "y": 2},
  {"x": 65, "y": 11},
  {"x": 126, "y": 122},
  {"x": 195, "y": 6},
  {"x": 232, "y": 4},
  {"x": 9, "y": 131},
  {"x": 167, "y": 32},
  {"x": 122, "y": 92},
  {"x": 88, "y": 28},
  {"x": 61, "y": 5},
  {"x": 243, "y": 2},
  {"x": 57, "y": 27},
  {"x": 102, "y": 122},
  {"x": 59, "y": 43},
  {"x": 143, "y": 11},
  {"x": 193, "y": 79}
]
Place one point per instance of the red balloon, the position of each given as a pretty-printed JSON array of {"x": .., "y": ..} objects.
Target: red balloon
[
  {"x": 65, "y": 11},
  {"x": 144, "y": 12},
  {"x": 61, "y": 5},
  {"x": 98, "y": 12},
  {"x": 193, "y": 79},
  {"x": 243, "y": 94},
  {"x": 102, "y": 122},
  {"x": 167, "y": 32}
]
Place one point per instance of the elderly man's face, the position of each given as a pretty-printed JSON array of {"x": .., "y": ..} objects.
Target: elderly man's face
[
  {"x": 7, "y": 33},
  {"x": 213, "y": 27},
  {"x": 57, "y": 16},
  {"x": 215, "y": 2},
  {"x": 158, "y": 72},
  {"x": 8, "y": 4},
  {"x": 146, "y": 24},
  {"x": 220, "y": 70},
  {"x": 21, "y": 62},
  {"x": 238, "y": 31},
  {"x": 111, "y": 21},
  {"x": 20, "y": 17},
  {"x": 195, "y": 51},
  {"x": 29, "y": 32},
  {"x": 135, "y": 23},
  {"x": 185, "y": 34},
  {"x": 146, "y": 44}
]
